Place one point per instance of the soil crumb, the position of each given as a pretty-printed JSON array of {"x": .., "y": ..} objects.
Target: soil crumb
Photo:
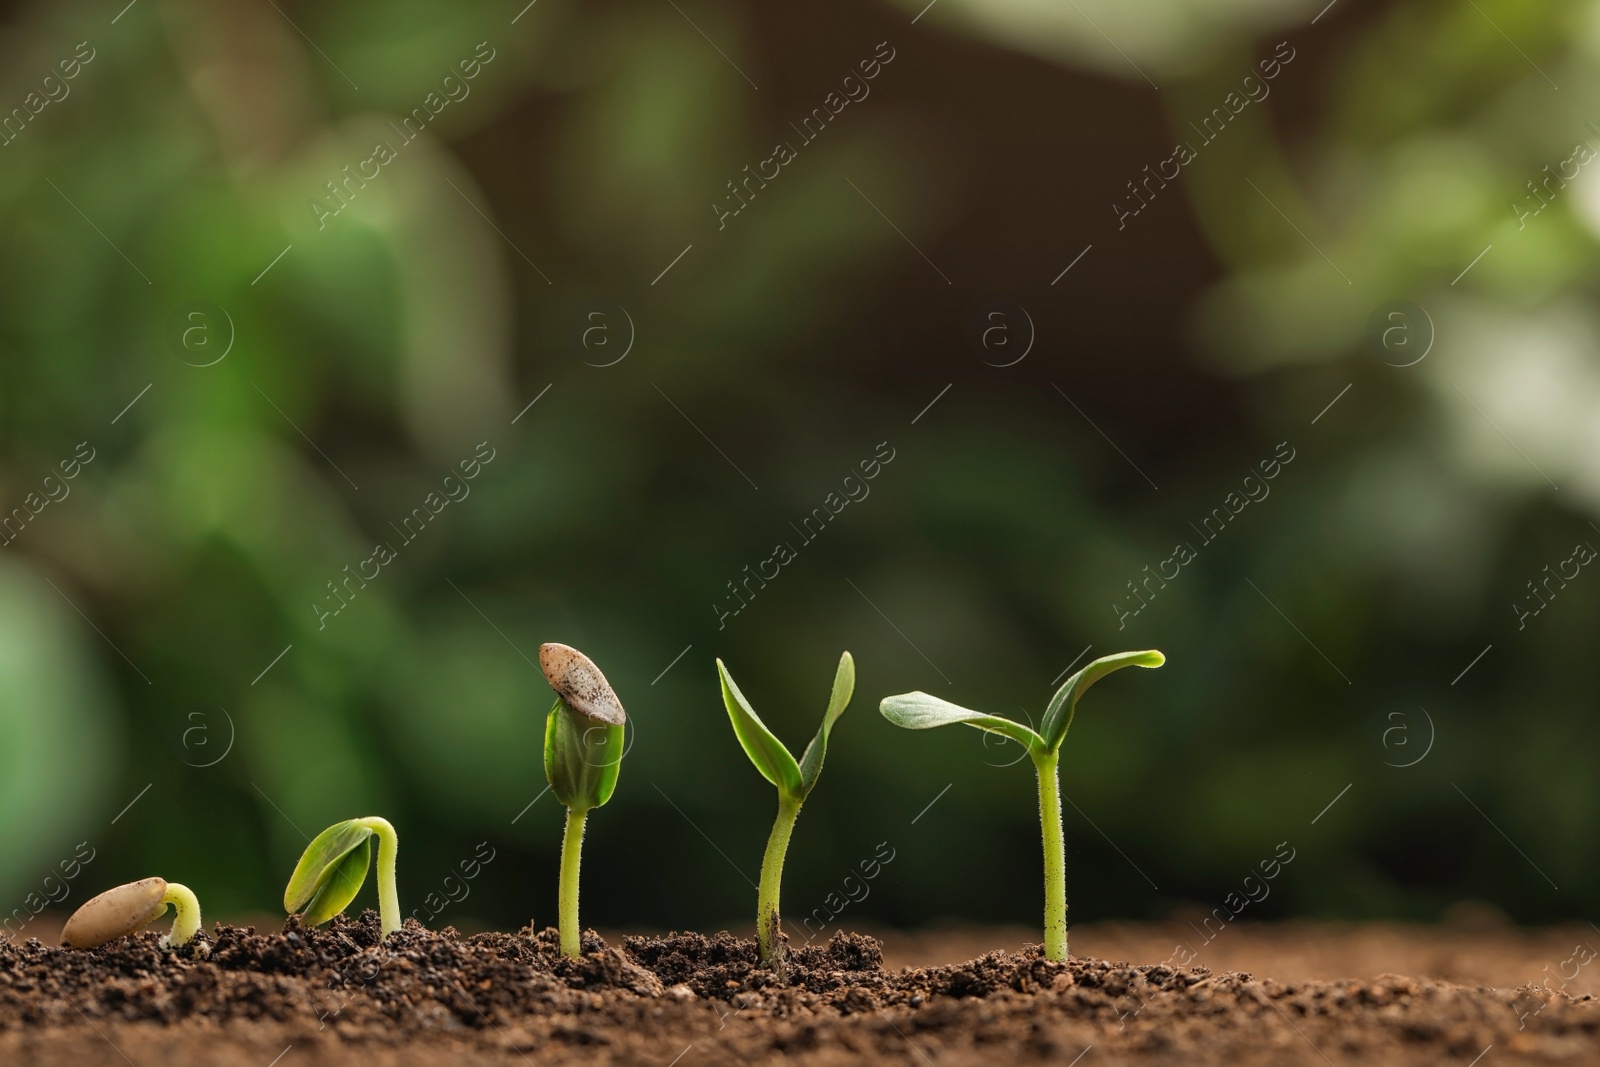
[{"x": 335, "y": 995}]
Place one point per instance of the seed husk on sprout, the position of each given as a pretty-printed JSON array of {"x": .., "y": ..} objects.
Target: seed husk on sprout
[
  {"x": 583, "y": 749},
  {"x": 577, "y": 680},
  {"x": 127, "y": 909}
]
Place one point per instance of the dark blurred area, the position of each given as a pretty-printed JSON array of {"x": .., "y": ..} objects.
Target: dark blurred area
[{"x": 491, "y": 286}]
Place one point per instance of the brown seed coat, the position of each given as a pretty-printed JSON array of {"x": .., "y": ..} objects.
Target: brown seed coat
[
  {"x": 579, "y": 682},
  {"x": 127, "y": 909}
]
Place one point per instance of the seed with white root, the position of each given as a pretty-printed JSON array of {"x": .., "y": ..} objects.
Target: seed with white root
[
  {"x": 579, "y": 682},
  {"x": 127, "y": 909}
]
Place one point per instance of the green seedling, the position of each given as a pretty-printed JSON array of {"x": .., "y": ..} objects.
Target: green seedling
[
  {"x": 919, "y": 711},
  {"x": 127, "y": 909},
  {"x": 334, "y": 866},
  {"x": 794, "y": 781},
  {"x": 583, "y": 750}
]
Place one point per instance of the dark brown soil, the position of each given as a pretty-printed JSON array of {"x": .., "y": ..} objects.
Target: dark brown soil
[{"x": 335, "y": 996}]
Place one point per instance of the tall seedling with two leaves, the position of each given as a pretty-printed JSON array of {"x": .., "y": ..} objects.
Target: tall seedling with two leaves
[
  {"x": 794, "y": 781},
  {"x": 919, "y": 711}
]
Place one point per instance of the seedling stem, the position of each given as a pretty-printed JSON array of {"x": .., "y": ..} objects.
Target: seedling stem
[
  {"x": 186, "y": 917},
  {"x": 388, "y": 847},
  {"x": 1055, "y": 858},
  {"x": 769, "y": 922},
  {"x": 571, "y": 856}
]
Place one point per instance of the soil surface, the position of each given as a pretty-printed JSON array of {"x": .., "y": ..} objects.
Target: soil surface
[{"x": 335, "y": 996}]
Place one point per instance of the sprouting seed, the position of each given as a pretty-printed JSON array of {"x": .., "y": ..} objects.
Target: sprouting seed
[
  {"x": 794, "y": 781},
  {"x": 919, "y": 711},
  {"x": 334, "y": 866},
  {"x": 127, "y": 909},
  {"x": 583, "y": 749}
]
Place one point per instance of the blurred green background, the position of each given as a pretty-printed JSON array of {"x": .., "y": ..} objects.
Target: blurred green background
[{"x": 172, "y": 693}]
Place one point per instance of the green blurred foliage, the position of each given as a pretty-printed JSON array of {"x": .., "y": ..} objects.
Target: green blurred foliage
[{"x": 454, "y": 288}]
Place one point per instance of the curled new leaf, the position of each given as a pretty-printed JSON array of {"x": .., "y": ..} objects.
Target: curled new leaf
[
  {"x": 323, "y": 862},
  {"x": 333, "y": 868},
  {"x": 1058, "y": 716},
  {"x": 769, "y": 755},
  {"x": 919, "y": 711},
  {"x": 339, "y": 887}
]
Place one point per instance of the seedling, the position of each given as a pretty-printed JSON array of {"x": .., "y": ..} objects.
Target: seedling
[
  {"x": 794, "y": 781},
  {"x": 919, "y": 711},
  {"x": 583, "y": 749},
  {"x": 334, "y": 866},
  {"x": 127, "y": 909}
]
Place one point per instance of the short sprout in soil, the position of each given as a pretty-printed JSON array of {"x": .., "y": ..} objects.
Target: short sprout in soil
[
  {"x": 583, "y": 749},
  {"x": 794, "y": 781},
  {"x": 919, "y": 711},
  {"x": 334, "y": 866},
  {"x": 127, "y": 909}
]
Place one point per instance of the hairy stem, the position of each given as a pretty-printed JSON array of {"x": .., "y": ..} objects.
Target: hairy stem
[
  {"x": 1055, "y": 859},
  {"x": 567, "y": 902},
  {"x": 768, "y": 924},
  {"x": 186, "y": 921},
  {"x": 388, "y": 897}
]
